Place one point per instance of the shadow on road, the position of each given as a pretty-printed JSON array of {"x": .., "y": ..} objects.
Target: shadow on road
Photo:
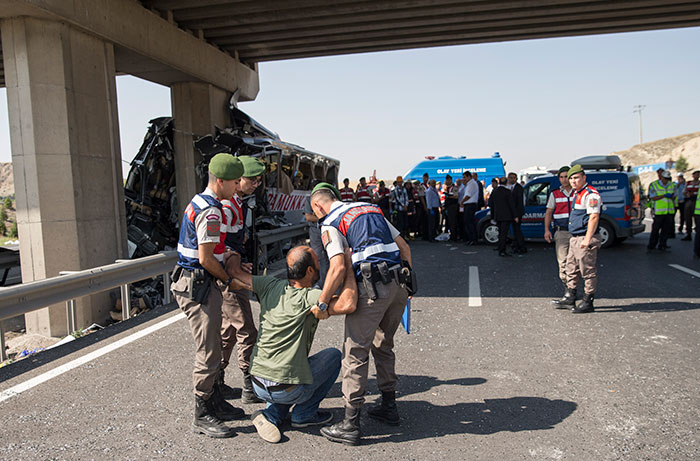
[
  {"x": 411, "y": 384},
  {"x": 422, "y": 420},
  {"x": 668, "y": 306}
]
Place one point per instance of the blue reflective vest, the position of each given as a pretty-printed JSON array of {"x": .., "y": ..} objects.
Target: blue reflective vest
[
  {"x": 187, "y": 245},
  {"x": 367, "y": 233},
  {"x": 578, "y": 218}
]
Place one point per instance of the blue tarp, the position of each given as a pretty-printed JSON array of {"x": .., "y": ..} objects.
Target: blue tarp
[{"x": 487, "y": 168}]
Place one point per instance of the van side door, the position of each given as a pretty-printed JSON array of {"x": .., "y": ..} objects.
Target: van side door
[{"x": 536, "y": 194}]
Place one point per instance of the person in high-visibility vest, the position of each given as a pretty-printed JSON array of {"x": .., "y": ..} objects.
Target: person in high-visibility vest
[
  {"x": 347, "y": 194},
  {"x": 662, "y": 196},
  {"x": 557, "y": 216},
  {"x": 696, "y": 216}
]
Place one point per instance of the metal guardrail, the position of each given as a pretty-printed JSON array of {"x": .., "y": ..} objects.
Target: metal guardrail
[{"x": 31, "y": 296}]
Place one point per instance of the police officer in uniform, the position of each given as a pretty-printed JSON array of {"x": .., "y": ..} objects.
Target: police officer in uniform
[
  {"x": 662, "y": 196},
  {"x": 584, "y": 243},
  {"x": 197, "y": 281},
  {"x": 557, "y": 214},
  {"x": 347, "y": 195},
  {"x": 377, "y": 255},
  {"x": 362, "y": 194},
  {"x": 237, "y": 325}
]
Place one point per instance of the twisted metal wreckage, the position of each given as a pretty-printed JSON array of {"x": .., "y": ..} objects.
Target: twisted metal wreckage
[{"x": 275, "y": 210}]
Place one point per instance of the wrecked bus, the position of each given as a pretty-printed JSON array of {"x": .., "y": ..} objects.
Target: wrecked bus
[{"x": 275, "y": 210}]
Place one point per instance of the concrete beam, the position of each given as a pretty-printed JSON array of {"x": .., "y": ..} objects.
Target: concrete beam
[
  {"x": 169, "y": 53},
  {"x": 197, "y": 108}
]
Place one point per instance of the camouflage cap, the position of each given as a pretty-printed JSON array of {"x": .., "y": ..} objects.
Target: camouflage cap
[
  {"x": 575, "y": 169},
  {"x": 325, "y": 185},
  {"x": 252, "y": 166},
  {"x": 226, "y": 167}
]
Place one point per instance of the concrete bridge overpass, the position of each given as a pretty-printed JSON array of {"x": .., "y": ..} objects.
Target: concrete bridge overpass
[{"x": 60, "y": 59}]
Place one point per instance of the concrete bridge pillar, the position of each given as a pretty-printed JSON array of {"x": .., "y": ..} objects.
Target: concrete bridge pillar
[
  {"x": 197, "y": 109},
  {"x": 66, "y": 158}
]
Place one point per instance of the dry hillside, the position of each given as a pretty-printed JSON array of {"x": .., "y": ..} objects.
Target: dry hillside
[
  {"x": 7, "y": 181},
  {"x": 686, "y": 145}
]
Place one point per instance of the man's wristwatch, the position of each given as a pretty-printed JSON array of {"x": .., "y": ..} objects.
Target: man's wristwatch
[{"x": 322, "y": 306}]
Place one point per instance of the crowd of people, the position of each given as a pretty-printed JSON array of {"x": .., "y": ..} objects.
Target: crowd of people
[
  {"x": 437, "y": 208},
  {"x": 667, "y": 199}
]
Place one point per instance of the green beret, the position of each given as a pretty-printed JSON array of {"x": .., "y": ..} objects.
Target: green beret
[
  {"x": 563, "y": 169},
  {"x": 252, "y": 166},
  {"x": 226, "y": 167},
  {"x": 325, "y": 185},
  {"x": 575, "y": 169}
]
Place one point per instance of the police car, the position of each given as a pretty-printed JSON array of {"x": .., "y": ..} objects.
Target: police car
[{"x": 623, "y": 202}]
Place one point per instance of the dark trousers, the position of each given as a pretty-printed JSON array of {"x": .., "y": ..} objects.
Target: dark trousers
[
  {"x": 661, "y": 229},
  {"x": 519, "y": 240},
  {"x": 503, "y": 227},
  {"x": 462, "y": 229},
  {"x": 452, "y": 210},
  {"x": 424, "y": 217},
  {"x": 689, "y": 206},
  {"x": 469, "y": 224},
  {"x": 681, "y": 210},
  {"x": 402, "y": 222},
  {"x": 696, "y": 248},
  {"x": 433, "y": 219}
]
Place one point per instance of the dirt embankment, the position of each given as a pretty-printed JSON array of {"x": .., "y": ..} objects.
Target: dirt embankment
[
  {"x": 7, "y": 180},
  {"x": 662, "y": 150}
]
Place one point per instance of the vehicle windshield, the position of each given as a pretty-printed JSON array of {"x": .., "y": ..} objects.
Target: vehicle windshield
[{"x": 536, "y": 194}]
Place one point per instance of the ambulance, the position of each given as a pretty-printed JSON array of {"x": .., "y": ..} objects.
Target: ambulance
[{"x": 621, "y": 192}]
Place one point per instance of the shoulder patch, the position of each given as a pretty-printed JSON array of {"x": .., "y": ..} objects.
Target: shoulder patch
[
  {"x": 213, "y": 216},
  {"x": 325, "y": 238},
  {"x": 213, "y": 228}
]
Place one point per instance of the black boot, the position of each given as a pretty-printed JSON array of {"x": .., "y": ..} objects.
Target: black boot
[
  {"x": 584, "y": 306},
  {"x": 248, "y": 395},
  {"x": 223, "y": 409},
  {"x": 386, "y": 412},
  {"x": 225, "y": 390},
  {"x": 347, "y": 431},
  {"x": 206, "y": 422},
  {"x": 566, "y": 301}
]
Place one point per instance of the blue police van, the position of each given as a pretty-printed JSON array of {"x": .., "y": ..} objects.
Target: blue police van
[
  {"x": 621, "y": 192},
  {"x": 438, "y": 168}
]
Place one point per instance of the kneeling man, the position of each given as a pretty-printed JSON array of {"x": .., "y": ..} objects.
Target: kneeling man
[{"x": 282, "y": 372}]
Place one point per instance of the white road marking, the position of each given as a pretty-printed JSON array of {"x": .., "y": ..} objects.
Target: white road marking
[
  {"x": 474, "y": 288},
  {"x": 686, "y": 270},
  {"x": 42, "y": 378}
]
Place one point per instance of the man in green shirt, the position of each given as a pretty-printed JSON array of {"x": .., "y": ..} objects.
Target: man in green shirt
[{"x": 282, "y": 372}]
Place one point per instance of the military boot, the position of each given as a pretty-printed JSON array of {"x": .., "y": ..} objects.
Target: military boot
[
  {"x": 584, "y": 306},
  {"x": 226, "y": 391},
  {"x": 206, "y": 422},
  {"x": 347, "y": 431},
  {"x": 248, "y": 395},
  {"x": 223, "y": 409},
  {"x": 386, "y": 412},
  {"x": 566, "y": 301}
]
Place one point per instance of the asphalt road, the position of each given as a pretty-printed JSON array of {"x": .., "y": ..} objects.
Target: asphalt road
[{"x": 509, "y": 379}]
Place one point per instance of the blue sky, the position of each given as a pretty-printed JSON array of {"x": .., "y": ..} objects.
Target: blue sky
[{"x": 539, "y": 102}]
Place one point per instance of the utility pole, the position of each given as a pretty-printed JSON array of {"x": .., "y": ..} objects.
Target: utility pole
[{"x": 638, "y": 109}]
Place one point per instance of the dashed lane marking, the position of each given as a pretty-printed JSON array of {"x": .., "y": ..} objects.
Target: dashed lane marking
[
  {"x": 686, "y": 270},
  {"x": 42, "y": 378},
  {"x": 474, "y": 288}
]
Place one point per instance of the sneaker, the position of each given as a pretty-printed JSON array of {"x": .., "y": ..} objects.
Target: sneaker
[
  {"x": 266, "y": 430},
  {"x": 319, "y": 419}
]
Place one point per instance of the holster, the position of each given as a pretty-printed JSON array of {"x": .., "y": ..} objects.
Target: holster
[
  {"x": 368, "y": 281},
  {"x": 201, "y": 284},
  {"x": 407, "y": 278}
]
